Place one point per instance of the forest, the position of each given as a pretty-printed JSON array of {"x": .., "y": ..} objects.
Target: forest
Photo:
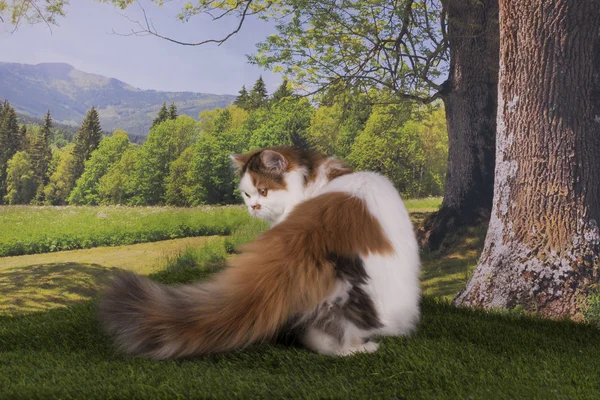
[{"x": 185, "y": 161}]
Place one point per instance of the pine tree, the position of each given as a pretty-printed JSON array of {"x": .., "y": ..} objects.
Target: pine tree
[
  {"x": 173, "y": 111},
  {"x": 258, "y": 94},
  {"x": 243, "y": 99},
  {"x": 9, "y": 142},
  {"x": 23, "y": 138},
  {"x": 41, "y": 153},
  {"x": 282, "y": 91},
  {"x": 163, "y": 115},
  {"x": 87, "y": 140}
]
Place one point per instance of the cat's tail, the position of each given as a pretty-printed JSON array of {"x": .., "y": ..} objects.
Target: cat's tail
[
  {"x": 288, "y": 271},
  {"x": 246, "y": 303}
]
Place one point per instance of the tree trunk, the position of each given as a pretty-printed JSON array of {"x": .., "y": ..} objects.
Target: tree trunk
[
  {"x": 471, "y": 104},
  {"x": 543, "y": 243}
]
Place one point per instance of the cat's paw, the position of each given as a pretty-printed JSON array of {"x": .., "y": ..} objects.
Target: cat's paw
[{"x": 368, "y": 347}]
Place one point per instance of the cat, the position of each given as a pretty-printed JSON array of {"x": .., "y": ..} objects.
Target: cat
[{"x": 339, "y": 266}]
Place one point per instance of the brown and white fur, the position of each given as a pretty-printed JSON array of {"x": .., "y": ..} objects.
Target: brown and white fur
[{"x": 339, "y": 266}]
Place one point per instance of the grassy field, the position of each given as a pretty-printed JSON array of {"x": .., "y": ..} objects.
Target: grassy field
[
  {"x": 31, "y": 230},
  {"x": 39, "y": 282},
  {"x": 455, "y": 353}
]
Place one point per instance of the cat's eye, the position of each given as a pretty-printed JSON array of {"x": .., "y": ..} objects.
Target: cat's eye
[
  {"x": 246, "y": 194},
  {"x": 263, "y": 192}
]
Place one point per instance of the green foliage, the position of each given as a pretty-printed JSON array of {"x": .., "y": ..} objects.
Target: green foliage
[
  {"x": 434, "y": 140},
  {"x": 392, "y": 144},
  {"x": 33, "y": 11},
  {"x": 214, "y": 179},
  {"x": 285, "y": 123},
  {"x": 109, "y": 152},
  {"x": 325, "y": 129},
  {"x": 243, "y": 99},
  {"x": 282, "y": 92},
  {"x": 62, "y": 179},
  {"x": 117, "y": 186},
  {"x": 31, "y": 230},
  {"x": 41, "y": 154},
  {"x": 9, "y": 141},
  {"x": 180, "y": 183},
  {"x": 258, "y": 95},
  {"x": 186, "y": 162},
  {"x": 165, "y": 143},
  {"x": 163, "y": 115},
  {"x": 173, "y": 114},
  {"x": 87, "y": 140},
  {"x": 21, "y": 179}
]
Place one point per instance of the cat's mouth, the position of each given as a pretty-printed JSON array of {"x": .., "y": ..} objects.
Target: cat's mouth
[{"x": 262, "y": 212}]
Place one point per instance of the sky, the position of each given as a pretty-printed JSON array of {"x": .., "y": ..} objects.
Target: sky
[{"x": 85, "y": 40}]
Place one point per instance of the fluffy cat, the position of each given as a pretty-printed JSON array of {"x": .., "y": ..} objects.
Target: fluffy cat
[{"x": 339, "y": 266}]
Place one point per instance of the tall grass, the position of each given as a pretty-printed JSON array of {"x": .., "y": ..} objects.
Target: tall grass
[{"x": 30, "y": 230}]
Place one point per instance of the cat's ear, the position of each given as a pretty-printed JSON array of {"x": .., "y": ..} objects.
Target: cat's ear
[
  {"x": 274, "y": 161},
  {"x": 238, "y": 161}
]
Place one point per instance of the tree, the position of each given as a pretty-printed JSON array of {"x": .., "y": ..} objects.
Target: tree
[
  {"x": 408, "y": 47},
  {"x": 165, "y": 143},
  {"x": 109, "y": 152},
  {"x": 9, "y": 142},
  {"x": 286, "y": 123},
  {"x": 173, "y": 111},
  {"x": 87, "y": 140},
  {"x": 434, "y": 140},
  {"x": 283, "y": 91},
  {"x": 117, "y": 186},
  {"x": 62, "y": 180},
  {"x": 542, "y": 249},
  {"x": 258, "y": 95},
  {"x": 470, "y": 102},
  {"x": 163, "y": 115},
  {"x": 22, "y": 138},
  {"x": 180, "y": 183},
  {"x": 390, "y": 144},
  {"x": 243, "y": 99},
  {"x": 404, "y": 46},
  {"x": 21, "y": 179},
  {"x": 41, "y": 153}
]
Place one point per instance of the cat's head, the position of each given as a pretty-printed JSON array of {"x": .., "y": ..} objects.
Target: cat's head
[{"x": 273, "y": 180}]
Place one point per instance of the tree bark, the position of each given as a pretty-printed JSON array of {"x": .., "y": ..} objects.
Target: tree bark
[
  {"x": 471, "y": 103},
  {"x": 543, "y": 243}
]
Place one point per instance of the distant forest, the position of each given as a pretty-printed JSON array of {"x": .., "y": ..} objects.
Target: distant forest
[{"x": 185, "y": 162}]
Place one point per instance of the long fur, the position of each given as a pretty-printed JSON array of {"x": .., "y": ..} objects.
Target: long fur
[
  {"x": 287, "y": 271},
  {"x": 341, "y": 263}
]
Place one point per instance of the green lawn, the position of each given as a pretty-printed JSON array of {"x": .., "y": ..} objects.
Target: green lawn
[
  {"x": 31, "y": 230},
  {"x": 455, "y": 353}
]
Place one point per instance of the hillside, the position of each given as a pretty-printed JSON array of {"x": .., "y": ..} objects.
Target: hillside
[{"x": 69, "y": 93}]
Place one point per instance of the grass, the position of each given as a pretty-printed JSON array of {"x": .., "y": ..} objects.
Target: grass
[
  {"x": 35, "y": 230},
  {"x": 455, "y": 353},
  {"x": 32, "y": 230},
  {"x": 39, "y": 282},
  {"x": 427, "y": 204}
]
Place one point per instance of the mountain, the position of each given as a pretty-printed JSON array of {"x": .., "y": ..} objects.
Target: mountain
[{"x": 69, "y": 93}]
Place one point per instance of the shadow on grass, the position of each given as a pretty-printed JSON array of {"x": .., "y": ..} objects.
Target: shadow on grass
[
  {"x": 46, "y": 286},
  {"x": 446, "y": 271}
]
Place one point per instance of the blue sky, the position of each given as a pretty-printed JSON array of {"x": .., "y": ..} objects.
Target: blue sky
[{"x": 84, "y": 40}]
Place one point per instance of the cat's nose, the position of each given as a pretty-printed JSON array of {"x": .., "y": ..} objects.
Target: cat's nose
[{"x": 256, "y": 207}]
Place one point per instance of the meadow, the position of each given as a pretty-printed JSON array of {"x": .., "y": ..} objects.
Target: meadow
[
  {"x": 44, "y": 229},
  {"x": 455, "y": 353}
]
